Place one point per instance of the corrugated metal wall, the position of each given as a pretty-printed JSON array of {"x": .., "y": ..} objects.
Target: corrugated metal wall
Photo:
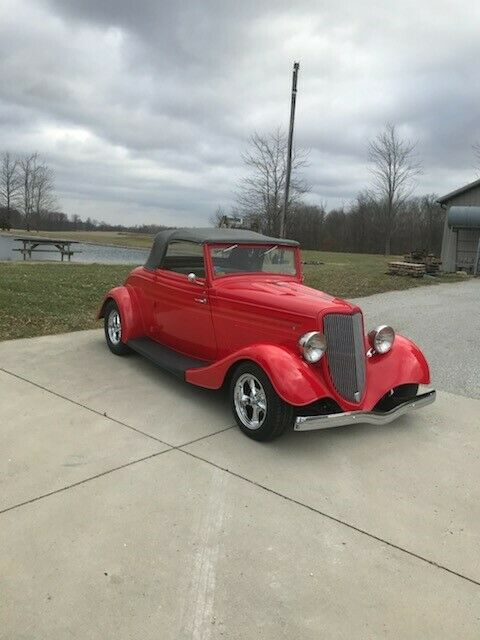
[
  {"x": 450, "y": 242},
  {"x": 467, "y": 244}
]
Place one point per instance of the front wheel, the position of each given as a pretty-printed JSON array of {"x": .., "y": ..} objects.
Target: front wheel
[{"x": 260, "y": 413}]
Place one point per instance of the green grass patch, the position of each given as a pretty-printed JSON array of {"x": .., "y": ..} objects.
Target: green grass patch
[
  {"x": 46, "y": 298},
  {"x": 39, "y": 299},
  {"x": 352, "y": 275}
]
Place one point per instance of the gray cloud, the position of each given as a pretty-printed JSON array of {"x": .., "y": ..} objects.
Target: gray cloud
[{"x": 143, "y": 108}]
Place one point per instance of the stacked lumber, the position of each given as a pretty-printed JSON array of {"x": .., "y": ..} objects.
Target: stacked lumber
[
  {"x": 434, "y": 266},
  {"x": 432, "y": 263},
  {"x": 413, "y": 269}
]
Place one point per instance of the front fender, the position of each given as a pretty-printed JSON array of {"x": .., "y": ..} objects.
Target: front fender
[
  {"x": 132, "y": 325},
  {"x": 293, "y": 379},
  {"x": 403, "y": 364},
  {"x": 300, "y": 384}
]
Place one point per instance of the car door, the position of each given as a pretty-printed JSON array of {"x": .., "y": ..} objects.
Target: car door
[{"x": 181, "y": 308}]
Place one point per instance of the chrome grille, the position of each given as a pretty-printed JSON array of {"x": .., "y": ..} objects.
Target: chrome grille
[{"x": 346, "y": 353}]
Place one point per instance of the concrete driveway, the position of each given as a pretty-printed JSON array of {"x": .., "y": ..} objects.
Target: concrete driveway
[{"x": 131, "y": 508}]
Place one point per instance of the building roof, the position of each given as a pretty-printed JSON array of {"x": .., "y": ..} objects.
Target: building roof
[
  {"x": 204, "y": 235},
  {"x": 457, "y": 192}
]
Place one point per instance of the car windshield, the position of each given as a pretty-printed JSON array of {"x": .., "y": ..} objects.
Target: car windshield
[{"x": 237, "y": 258}]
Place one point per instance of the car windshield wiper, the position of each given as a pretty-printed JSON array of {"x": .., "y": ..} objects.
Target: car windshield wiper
[
  {"x": 227, "y": 249},
  {"x": 268, "y": 250}
]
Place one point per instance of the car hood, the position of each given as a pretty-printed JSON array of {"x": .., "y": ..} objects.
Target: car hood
[{"x": 281, "y": 294}]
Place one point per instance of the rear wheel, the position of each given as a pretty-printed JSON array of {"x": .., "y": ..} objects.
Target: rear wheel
[
  {"x": 113, "y": 329},
  {"x": 260, "y": 413}
]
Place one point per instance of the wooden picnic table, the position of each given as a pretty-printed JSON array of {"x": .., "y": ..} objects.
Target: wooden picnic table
[{"x": 31, "y": 245}]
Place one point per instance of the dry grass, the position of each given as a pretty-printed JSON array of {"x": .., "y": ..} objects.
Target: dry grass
[{"x": 352, "y": 275}]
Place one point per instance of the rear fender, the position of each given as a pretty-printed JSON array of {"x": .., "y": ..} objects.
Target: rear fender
[
  {"x": 295, "y": 381},
  {"x": 132, "y": 325}
]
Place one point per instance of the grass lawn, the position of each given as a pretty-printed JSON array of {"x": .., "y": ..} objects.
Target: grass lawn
[
  {"x": 352, "y": 275},
  {"x": 43, "y": 298},
  {"x": 37, "y": 299}
]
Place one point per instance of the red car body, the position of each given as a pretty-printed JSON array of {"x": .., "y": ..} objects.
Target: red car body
[{"x": 258, "y": 317}]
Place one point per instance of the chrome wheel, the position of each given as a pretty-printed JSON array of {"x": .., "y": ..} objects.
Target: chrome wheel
[
  {"x": 114, "y": 327},
  {"x": 250, "y": 401}
]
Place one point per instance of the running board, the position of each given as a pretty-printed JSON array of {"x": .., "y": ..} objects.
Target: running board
[{"x": 166, "y": 358}]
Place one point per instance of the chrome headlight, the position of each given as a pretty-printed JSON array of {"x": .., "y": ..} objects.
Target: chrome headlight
[
  {"x": 313, "y": 345},
  {"x": 381, "y": 338}
]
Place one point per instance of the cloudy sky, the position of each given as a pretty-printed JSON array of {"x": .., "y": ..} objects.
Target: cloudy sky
[{"x": 143, "y": 107}]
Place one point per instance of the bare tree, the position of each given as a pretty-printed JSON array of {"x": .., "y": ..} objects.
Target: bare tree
[
  {"x": 394, "y": 166},
  {"x": 44, "y": 195},
  {"x": 9, "y": 185},
  {"x": 305, "y": 224},
  {"x": 37, "y": 189},
  {"x": 27, "y": 167},
  {"x": 77, "y": 221},
  {"x": 218, "y": 217},
  {"x": 260, "y": 194}
]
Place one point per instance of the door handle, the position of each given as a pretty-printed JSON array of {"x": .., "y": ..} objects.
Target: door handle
[{"x": 201, "y": 300}]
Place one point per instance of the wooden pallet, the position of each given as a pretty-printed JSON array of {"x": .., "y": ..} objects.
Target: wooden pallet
[
  {"x": 412, "y": 269},
  {"x": 431, "y": 262}
]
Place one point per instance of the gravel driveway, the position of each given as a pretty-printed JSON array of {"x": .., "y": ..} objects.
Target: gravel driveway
[{"x": 444, "y": 320}]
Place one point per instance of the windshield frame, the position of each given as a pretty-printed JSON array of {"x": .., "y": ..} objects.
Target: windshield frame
[{"x": 219, "y": 245}]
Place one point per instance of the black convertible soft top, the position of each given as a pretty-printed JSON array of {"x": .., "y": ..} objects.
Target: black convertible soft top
[{"x": 207, "y": 235}]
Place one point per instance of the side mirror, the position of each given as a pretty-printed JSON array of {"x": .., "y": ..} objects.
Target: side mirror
[{"x": 192, "y": 278}]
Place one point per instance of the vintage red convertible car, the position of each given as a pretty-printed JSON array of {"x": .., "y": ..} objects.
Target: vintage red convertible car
[{"x": 227, "y": 307}]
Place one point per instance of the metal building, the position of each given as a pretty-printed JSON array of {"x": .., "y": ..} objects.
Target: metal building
[{"x": 461, "y": 233}]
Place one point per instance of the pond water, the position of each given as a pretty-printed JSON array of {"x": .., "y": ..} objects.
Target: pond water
[{"x": 89, "y": 253}]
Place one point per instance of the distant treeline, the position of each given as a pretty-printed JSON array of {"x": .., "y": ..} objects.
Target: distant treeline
[
  {"x": 28, "y": 200},
  {"x": 59, "y": 221},
  {"x": 360, "y": 227}
]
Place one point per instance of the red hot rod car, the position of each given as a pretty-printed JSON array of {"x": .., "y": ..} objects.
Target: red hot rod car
[{"x": 227, "y": 307}]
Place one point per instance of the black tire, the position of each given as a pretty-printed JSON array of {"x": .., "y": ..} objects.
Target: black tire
[
  {"x": 277, "y": 417},
  {"x": 118, "y": 348}
]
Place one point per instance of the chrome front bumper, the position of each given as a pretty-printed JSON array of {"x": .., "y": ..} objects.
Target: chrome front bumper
[{"x": 310, "y": 423}]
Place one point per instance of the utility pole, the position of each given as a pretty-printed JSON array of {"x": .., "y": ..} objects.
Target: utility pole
[{"x": 283, "y": 214}]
